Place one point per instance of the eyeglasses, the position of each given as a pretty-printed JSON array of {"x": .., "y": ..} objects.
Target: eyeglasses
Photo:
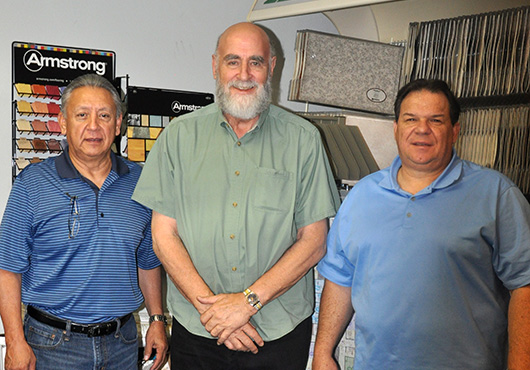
[{"x": 74, "y": 217}]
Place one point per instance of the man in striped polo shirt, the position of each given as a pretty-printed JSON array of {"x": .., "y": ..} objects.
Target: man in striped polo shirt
[{"x": 77, "y": 251}]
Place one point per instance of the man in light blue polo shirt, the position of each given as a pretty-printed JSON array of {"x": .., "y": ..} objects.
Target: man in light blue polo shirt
[
  {"x": 77, "y": 251},
  {"x": 432, "y": 254}
]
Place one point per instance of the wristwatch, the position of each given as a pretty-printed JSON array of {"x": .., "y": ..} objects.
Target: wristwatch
[
  {"x": 158, "y": 318},
  {"x": 252, "y": 299}
]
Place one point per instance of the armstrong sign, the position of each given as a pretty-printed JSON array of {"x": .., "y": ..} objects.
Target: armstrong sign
[
  {"x": 163, "y": 102},
  {"x": 46, "y": 64}
]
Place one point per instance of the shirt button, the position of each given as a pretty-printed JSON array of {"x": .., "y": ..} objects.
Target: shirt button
[
  {"x": 409, "y": 214},
  {"x": 232, "y": 236},
  {"x": 237, "y": 173},
  {"x": 234, "y": 204},
  {"x": 234, "y": 268},
  {"x": 413, "y": 199},
  {"x": 239, "y": 143}
]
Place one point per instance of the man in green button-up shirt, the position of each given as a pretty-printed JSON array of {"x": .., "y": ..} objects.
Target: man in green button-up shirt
[{"x": 241, "y": 191}]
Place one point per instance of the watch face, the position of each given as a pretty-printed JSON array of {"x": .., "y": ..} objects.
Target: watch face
[{"x": 252, "y": 298}]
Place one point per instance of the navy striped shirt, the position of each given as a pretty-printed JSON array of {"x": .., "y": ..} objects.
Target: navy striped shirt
[{"x": 81, "y": 267}]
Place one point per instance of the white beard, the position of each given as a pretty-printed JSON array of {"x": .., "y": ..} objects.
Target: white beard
[{"x": 244, "y": 107}]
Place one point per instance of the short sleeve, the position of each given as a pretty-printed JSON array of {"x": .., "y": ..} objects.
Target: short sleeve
[
  {"x": 318, "y": 195},
  {"x": 147, "y": 258},
  {"x": 156, "y": 187},
  {"x": 511, "y": 258},
  {"x": 335, "y": 266}
]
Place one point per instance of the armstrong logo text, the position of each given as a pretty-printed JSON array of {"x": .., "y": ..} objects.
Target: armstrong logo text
[
  {"x": 34, "y": 61},
  {"x": 177, "y": 107}
]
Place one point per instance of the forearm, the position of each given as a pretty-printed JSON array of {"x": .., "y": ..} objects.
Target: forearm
[
  {"x": 335, "y": 314},
  {"x": 151, "y": 286},
  {"x": 303, "y": 255},
  {"x": 11, "y": 306},
  {"x": 176, "y": 261},
  {"x": 519, "y": 329}
]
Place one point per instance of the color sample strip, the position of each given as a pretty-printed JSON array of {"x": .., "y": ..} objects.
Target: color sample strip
[
  {"x": 39, "y": 145},
  {"x": 39, "y": 126},
  {"x": 53, "y": 92},
  {"x": 23, "y": 89},
  {"x": 24, "y": 107},
  {"x": 38, "y": 90},
  {"x": 149, "y": 144},
  {"x": 136, "y": 150},
  {"x": 54, "y": 127},
  {"x": 136, "y": 132},
  {"x": 154, "y": 132},
  {"x": 23, "y": 125},
  {"x": 39, "y": 107},
  {"x": 145, "y": 120},
  {"x": 54, "y": 109},
  {"x": 54, "y": 146},
  {"x": 24, "y": 144},
  {"x": 155, "y": 121},
  {"x": 22, "y": 163}
]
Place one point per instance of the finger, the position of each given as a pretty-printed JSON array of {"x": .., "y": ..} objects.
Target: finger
[
  {"x": 207, "y": 299},
  {"x": 229, "y": 343},
  {"x": 250, "y": 331},
  {"x": 206, "y": 316},
  {"x": 247, "y": 343},
  {"x": 223, "y": 335}
]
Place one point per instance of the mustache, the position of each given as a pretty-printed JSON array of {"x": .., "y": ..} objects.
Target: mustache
[{"x": 238, "y": 84}]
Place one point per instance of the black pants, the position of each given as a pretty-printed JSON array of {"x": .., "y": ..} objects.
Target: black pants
[{"x": 192, "y": 352}]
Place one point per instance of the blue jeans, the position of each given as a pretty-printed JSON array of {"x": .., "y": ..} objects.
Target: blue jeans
[{"x": 57, "y": 349}]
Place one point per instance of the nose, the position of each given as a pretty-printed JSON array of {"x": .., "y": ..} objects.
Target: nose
[
  {"x": 423, "y": 126},
  {"x": 93, "y": 123},
  {"x": 244, "y": 72}
]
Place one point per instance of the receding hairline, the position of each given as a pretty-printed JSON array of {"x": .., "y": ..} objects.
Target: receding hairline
[{"x": 244, "y": 27}]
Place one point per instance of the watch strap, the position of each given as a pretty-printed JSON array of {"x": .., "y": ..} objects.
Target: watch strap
[
  {"x": 255, "y": 302},
  {"x": 158, "y": 318}
]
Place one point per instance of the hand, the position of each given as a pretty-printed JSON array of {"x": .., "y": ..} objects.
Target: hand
[
  {"x": 226, "y": 314},
  {"x": 20, "y": 356},
  {"x": 245, "y": 339},
  {"x": 156, "y": 338}
]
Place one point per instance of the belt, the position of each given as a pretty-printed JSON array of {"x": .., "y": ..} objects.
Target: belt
[{"x": 91, "y": 330}]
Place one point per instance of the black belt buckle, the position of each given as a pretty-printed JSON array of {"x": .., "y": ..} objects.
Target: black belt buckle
[
  {"x": 99, "y": 330},
  {"x": 94, "y": 331}
]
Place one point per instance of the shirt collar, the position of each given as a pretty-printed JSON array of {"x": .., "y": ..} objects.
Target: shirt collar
[
  {"x": 450, "y": 175},
  {"x": 67, "y": 170}
]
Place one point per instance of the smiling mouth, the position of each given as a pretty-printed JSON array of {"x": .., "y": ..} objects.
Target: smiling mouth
[
  {"x": 243, "y": 85},
  {"x": 421, "y": 144}
]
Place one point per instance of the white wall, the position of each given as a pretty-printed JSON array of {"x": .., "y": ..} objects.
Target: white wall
[{"x": 161, "y": 43}]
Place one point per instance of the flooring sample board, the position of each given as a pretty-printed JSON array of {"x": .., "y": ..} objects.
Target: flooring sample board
[{"x": 346, "y": 72}]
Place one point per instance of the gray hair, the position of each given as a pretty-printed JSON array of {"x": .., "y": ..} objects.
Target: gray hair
[{"x": 91, "y": 80}]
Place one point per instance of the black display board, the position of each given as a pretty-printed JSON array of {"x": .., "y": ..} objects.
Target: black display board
[
  {"x": 39, "y": 75},
  {"x": 149, "y": 111}
]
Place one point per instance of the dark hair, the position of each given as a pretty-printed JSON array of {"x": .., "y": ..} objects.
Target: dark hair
[
  {"x": 91, "y": 80},
  {"x": 434, "y": 86}
]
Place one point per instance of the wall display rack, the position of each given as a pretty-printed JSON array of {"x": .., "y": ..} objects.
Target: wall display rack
[
  {"x": 150, "y": 110},
  {"x": 40, "y": 74}
]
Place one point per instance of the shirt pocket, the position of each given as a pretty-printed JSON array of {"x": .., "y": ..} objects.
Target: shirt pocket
[{"x": 274, "y": 190}]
